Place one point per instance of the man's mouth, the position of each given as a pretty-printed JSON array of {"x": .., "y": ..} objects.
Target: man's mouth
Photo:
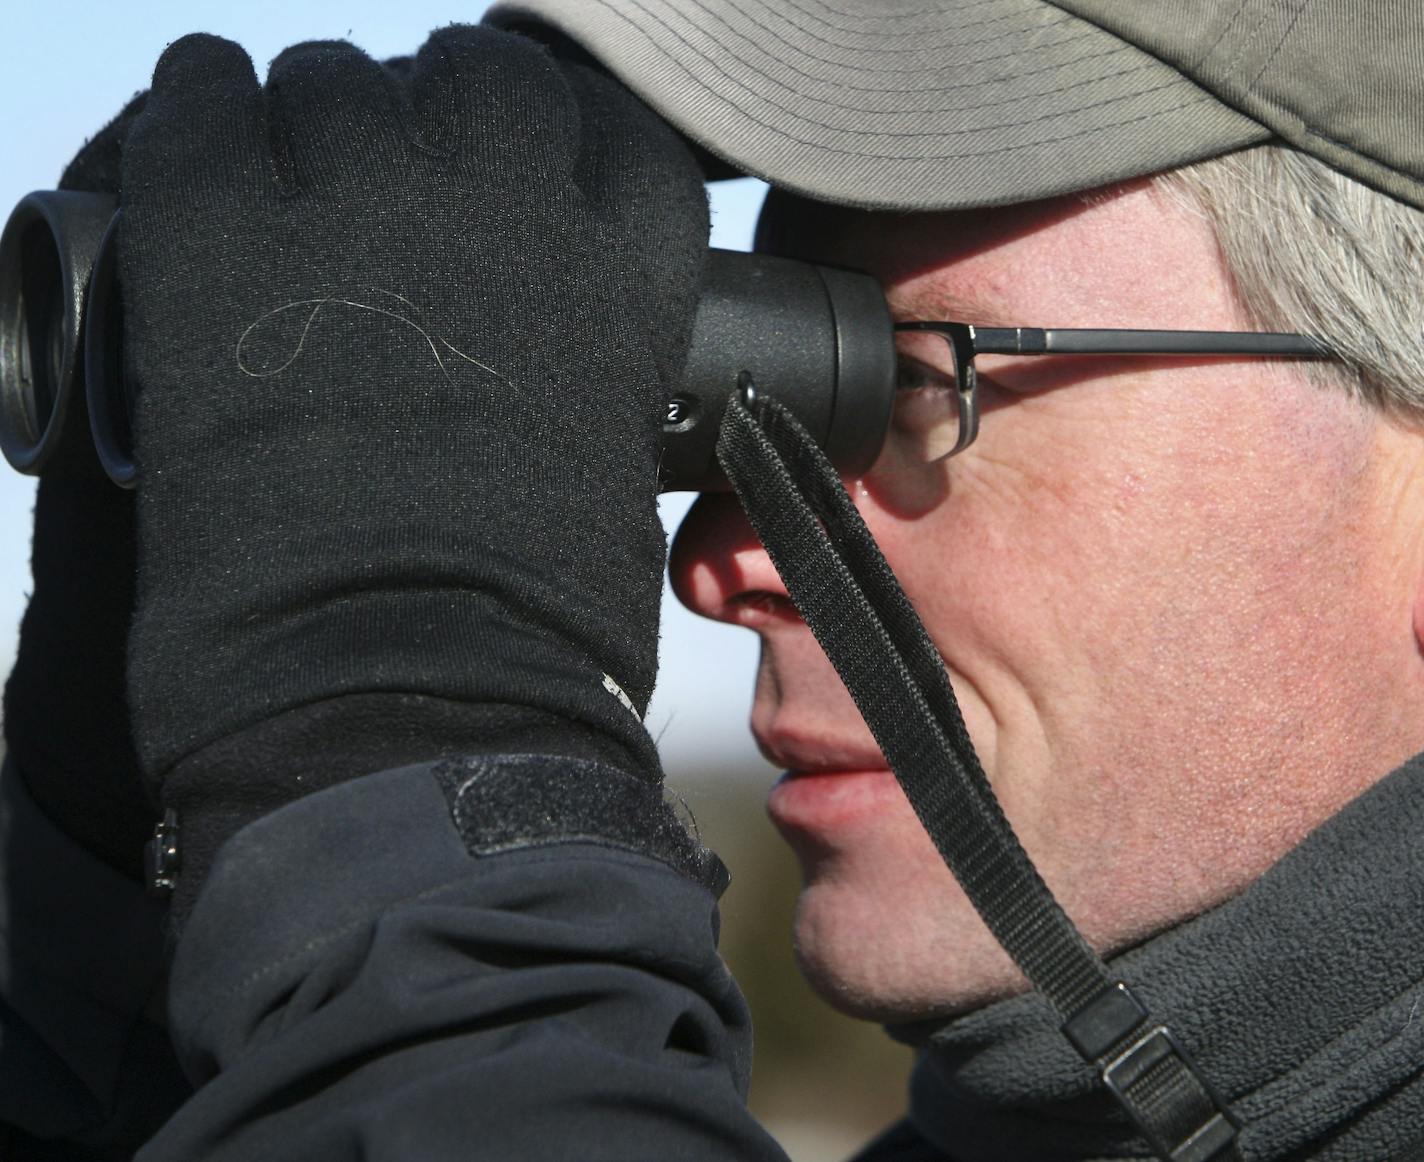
[
  {"x": 829, "y": 784},
  {"x": 818, "y": 805}
]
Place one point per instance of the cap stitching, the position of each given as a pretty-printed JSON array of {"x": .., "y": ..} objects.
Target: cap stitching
[
  {"x": 1275, "y": 52},
  {"x": 829, "y": 103},
  {"x": 998, "y": 79},
  {"x": 955, "y": 27},
  {"x": 831, "y": 150},
  {"x": 921, "y": 47},
  {"x": 1018, "y": 148},
  {"x": 1290, "y": 126},
  {"x": 911, "y": 13},
  {"x": 1086, "y": 33},
  {"x": 1119, "y": 47},
  {"x": 1246, "y": 42},
  {"x": 1220, "y": 36},
  {"x": 866, "y": 133}
]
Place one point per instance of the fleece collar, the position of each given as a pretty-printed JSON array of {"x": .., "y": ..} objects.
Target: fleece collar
[{"x": 1302, "y": 1000}]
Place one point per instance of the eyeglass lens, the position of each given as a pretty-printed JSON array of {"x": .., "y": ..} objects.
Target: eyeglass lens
[{"x": 924, "y": 426}]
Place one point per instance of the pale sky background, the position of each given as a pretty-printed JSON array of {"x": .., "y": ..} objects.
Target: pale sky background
[{"x": 66, "y": 66}]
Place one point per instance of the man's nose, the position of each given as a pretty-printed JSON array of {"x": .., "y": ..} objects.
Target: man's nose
[{"x": 718, "y": 568}]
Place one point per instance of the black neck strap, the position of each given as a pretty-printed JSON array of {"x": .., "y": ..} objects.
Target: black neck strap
[{"x": 850, "y": 599}]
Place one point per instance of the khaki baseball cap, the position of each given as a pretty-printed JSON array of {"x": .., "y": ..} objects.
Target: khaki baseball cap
[{"x": 943, "y": 104}]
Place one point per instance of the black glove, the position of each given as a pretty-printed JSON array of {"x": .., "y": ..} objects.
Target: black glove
[
  {"x": 66, "y": 719},
  {"x": 402, "y": 343}
]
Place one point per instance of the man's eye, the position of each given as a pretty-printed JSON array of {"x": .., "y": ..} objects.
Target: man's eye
[
  {"x": 912, "y": 375},
  {"x": 925, "y": 423}
]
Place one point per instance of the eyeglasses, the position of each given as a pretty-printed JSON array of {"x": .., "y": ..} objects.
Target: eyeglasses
[{"x": 937, "y": 410}]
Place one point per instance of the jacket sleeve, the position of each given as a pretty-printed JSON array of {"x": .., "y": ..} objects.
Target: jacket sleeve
[
  {"x": 81, "y": 961},
  {"x": 392, "y": 970}
]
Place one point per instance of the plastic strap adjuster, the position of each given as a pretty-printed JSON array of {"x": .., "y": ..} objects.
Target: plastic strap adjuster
[
  {"x": 1152, "y": 1078},
  {"x": 1154, "y": 1049}
]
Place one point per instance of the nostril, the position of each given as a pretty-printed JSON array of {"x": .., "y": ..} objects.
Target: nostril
[
  {"x": 718, "y": 568},
  {"x": 733, "y": 589},
  {"x": 758, "y": 607}
]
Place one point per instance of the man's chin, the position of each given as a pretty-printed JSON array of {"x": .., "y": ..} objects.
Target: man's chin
[{"x": 890, "y": 966}]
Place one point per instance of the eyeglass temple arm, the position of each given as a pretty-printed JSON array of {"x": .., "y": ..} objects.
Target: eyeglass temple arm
[{"x": 1071, "y": 341}]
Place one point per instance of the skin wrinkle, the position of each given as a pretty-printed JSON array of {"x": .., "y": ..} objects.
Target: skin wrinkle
[{"x": 1176, "y": 599}]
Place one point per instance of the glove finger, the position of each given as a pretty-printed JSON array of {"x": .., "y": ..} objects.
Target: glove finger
[
  {"x": 96, "y": 167},
  {"x": 202, "y": 120},
  {"x": 496, "y": 100},
  {"x": 632, "y": 164},
  {"x": 334, "y": 114},
  {"x": 641, "y": 177}
]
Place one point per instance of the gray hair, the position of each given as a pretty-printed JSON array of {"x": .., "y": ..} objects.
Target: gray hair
[{"x": 1315, "y": 252}]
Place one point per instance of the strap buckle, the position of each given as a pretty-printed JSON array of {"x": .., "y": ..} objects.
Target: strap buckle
[
  {"x": 1130, "y": 1078},
  {"x": 1153, "y": 1079}
]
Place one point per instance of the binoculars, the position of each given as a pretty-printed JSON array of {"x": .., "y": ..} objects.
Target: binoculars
[{"x": 818, "y": 339}]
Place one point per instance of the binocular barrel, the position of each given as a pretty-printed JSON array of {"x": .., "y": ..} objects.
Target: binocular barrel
[{"x": 817, "y": 339}]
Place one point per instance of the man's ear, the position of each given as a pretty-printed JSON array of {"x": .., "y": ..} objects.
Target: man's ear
[{"x": 1418, "y": 610}]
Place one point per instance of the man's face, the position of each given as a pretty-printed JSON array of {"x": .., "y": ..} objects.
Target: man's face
[{"x": 1165, "y": 592}]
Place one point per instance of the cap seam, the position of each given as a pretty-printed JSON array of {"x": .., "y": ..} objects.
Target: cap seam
[
  {"x": 911, "y": 157},
  {"x": 1275, "y": 52},
  {"x": 740, "y": 111},
  {"x": 1088, "y": 31},
  {"x": 736, "y": 75},
  {"x": 910, "y": 14},
  {"x": 1000, "y": 79},
  {"x": 1067, "y": 18},
  {"x": 1292, "y": 128},
  {"x": 964, "y": 131},
  {"x": 826, "y": 101},
  {"x": 1021, "y": 146},
  {"x": 904, "y": 15},
  {"x": 1176, "y": 79},
  {"x": 1220, "y": 36},
  {"x": 1288, "y": 125},
  {"x": 1246, "y": 41}
]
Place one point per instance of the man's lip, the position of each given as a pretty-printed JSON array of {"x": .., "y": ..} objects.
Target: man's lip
[
  {"x": 805, "y": 752},
  {"x": 833, "y": 772},
  {"x": 818, "y": 811}
]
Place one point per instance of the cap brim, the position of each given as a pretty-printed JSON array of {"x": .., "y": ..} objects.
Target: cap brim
[{"x": 935, "y": 104}]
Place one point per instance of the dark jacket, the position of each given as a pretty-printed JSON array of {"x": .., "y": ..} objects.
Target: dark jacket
[{"x": 357, "y": 982}]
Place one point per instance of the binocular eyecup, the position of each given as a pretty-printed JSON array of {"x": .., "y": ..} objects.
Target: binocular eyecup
[{"x": 816, "y": 338}]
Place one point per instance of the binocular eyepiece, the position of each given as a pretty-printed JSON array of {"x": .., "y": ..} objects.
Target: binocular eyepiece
[{"x": 816, "y": 338}]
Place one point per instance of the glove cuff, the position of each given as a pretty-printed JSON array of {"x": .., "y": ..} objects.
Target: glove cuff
[{"x": 221, "y": 788}]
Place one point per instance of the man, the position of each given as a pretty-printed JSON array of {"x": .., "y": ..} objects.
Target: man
[
  {"x": 1137, "y": 582},
  {"x": 1177, "y": 601}
]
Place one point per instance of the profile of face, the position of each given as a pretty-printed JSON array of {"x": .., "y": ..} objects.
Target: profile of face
[{"x": 1176, "y": 599}]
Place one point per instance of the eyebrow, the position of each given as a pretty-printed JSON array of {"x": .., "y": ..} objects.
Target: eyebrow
[{"x": 960, "y": 306}]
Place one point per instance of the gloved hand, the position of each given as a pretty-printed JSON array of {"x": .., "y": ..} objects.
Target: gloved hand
[
  {"x": 66, "y": 719},
  {"x": 402, "y": 345}
]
